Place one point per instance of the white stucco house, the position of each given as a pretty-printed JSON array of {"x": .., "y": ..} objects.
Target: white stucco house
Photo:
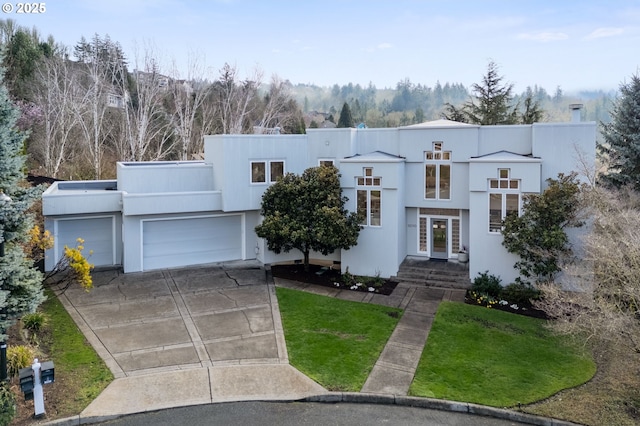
[{"x": 425, "y": 190}]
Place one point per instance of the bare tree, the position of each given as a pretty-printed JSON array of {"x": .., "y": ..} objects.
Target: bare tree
[
  {"x": 147, "y": 127},
  {"x": 188, "y": 97},
  {"x": 236, "y": 99},
  {"x": 277, "y": 111},
  {"x": 56, "y": 91},
  {"x": 603, "y": 297},
  {"x": 101, "y": 59}
]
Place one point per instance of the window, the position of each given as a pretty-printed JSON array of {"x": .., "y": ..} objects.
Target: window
[
  {"x": 325, "y": 162},
  {"x": 259, "y": 171},
  {"x": 437, "y": 176},
  {"x": 368, "y": 198},
  {"x": 504, "y": 199},
  {"x": 276, "y": 170}
]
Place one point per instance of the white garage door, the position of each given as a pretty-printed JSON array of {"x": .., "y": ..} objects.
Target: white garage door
[
  {"x": 97, "y": 233},
  {"x": 191, "y": 241}
]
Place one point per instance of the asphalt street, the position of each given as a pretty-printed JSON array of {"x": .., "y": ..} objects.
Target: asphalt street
[{"x": 304, "y": 413}]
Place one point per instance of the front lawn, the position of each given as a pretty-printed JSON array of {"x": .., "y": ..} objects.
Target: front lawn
[
  {"x": 494, "y": 358},
  {"x": 333, "y": 341}
]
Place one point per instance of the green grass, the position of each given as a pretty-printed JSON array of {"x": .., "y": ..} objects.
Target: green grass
[
  {"x": 78, "y": 366},
  {"x": 495, "y": 358},
  {"x": 333, "y": 341}
]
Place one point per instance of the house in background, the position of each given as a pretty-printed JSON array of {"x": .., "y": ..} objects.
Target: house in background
[{"x": 426, "y": 190}]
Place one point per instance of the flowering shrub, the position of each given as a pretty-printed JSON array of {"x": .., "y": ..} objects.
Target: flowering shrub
[{"x": 73, "y": 267}]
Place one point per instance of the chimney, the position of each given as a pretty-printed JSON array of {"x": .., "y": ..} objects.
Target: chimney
[{"x": 575, "y": 112}]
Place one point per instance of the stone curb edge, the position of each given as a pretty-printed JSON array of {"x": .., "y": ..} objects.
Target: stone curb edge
[{"x": 372, "y": 398}]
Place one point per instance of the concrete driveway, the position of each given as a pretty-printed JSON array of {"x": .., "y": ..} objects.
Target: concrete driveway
[{"x": 180, "y": 318}]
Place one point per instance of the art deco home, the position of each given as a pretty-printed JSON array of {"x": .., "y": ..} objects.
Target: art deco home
[{"x": 425, "y": 190}]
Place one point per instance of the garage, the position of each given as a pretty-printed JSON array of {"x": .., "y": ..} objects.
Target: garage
[
  {"x": 176, "y": 242},
  {"x": 98, "y": 234}
]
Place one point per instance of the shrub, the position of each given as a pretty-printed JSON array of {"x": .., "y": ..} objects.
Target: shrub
[
  {"x": 520, "y": 293},
  {"x": 34, "y": 322},
  {"x": 487, "y": 284},
  {"x": 7, "y": 404},
  {"x": 18, "y": 357}
]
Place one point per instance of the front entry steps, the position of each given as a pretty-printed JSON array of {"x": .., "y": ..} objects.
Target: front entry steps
[{"x": 420, "y": 271}]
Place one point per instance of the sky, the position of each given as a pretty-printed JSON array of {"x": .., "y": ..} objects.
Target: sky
[{"x": 571, "y": 44}]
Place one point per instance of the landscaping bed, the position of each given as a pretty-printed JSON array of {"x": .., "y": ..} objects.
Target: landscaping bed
[
  {"x": 329, "y": 277},
  {"x": 80, "y": 374}
]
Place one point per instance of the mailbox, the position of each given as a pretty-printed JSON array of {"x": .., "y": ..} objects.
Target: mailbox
[
  {"x": 26, "y": 382},
  {"x": 46, "y": 372}
]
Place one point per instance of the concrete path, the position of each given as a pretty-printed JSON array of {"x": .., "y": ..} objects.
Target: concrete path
[{"x": 394, "y": 370}]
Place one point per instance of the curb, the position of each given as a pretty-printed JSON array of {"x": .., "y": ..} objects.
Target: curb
[{"x": 437, "y": 404}]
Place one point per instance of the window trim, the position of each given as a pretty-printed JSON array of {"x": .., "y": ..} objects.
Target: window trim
[
  {"x": 267, "y": 171},
  {"x": 437, "y": 158},
  {"x": 326, "y": 160},
  {"x": 504, "y": 185},
  {"x": 368, "y": 183}
]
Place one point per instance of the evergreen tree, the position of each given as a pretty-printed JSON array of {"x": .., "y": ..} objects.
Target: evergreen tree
[
  {"x": 345, "y": 120},
  {"x": 20, "y": 283},
  {"x": 620, "y": 148},
  {"x": 493, "y": 99}
]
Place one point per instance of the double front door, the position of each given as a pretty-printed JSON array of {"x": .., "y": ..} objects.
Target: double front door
[{"x": 438, "y": 237}]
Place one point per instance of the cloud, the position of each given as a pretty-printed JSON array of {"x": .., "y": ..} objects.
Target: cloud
[
  {"x": 385, "y": 46},
  {"x": 604, "y": 32},
  {"x": 543, "y": 36}
]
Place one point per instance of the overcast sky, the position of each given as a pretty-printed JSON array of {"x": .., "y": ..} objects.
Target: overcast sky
[{"x": 573, "y": 44}]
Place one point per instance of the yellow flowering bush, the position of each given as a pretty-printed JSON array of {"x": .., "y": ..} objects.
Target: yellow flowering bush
[
  {"x": 73, "y": 267},
  {"x": 38, "y": 242},
  {"x": 79, "y": 264}
]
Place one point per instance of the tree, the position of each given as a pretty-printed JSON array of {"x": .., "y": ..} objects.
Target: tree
[
  {"x": 345, "y": 120},
  {"x": 538, "y": 236},
  {"x": 604, "y": 303},
  {"x": 20, "y": 283},
  {"x": 493, "y": 100},
  {"x": 307, "y": 213},
  {"x": 620, "y": 148},
  {"x": 532, "y": 112},
  {"x": 493, "y": 103},
  {"x": 188, "y": 97},
  {"x": 147, "y": 128},
  {"x": 235, "y": 99}
]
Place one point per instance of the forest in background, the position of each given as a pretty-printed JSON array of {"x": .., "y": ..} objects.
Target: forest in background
[{"x": 87, "y": 106}]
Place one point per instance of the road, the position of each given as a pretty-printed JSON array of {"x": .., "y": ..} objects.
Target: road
[{"x": 304, "y": 413}]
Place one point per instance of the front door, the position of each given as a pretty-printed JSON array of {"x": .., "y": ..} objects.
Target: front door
[{"x": 439, "y": 247}]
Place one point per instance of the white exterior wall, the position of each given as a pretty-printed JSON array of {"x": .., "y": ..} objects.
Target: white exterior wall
[
  {"x": 222, "y": 185},
  {"x": 235, "y": 154},
  {"x": 380, "y": 249}
]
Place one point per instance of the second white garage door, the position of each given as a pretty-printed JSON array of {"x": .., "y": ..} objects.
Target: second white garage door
[{"x": 191, "y": 241}]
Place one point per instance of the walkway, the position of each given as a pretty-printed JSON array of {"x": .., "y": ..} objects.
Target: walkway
[{"x": 394, "y": 370}]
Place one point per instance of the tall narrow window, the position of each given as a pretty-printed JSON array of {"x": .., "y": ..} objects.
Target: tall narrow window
[
  {"x": 504, "y": 199},
  {"x": 369, "y": 198},
  {"x": 437, "y": 176}
]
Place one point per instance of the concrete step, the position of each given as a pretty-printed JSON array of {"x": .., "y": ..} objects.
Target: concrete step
[
  {"x": 431, "y": 273},
  {"x": 458, "y": 284}
]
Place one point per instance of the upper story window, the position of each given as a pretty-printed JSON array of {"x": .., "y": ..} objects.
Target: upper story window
[
  {"x": 437, "y": 173},
  {"x": 326, "y": 163},
  {"x": 368, "y": 197},
  {"x": 266, "y": 171},
  {"x": 504, "y": 199}
]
